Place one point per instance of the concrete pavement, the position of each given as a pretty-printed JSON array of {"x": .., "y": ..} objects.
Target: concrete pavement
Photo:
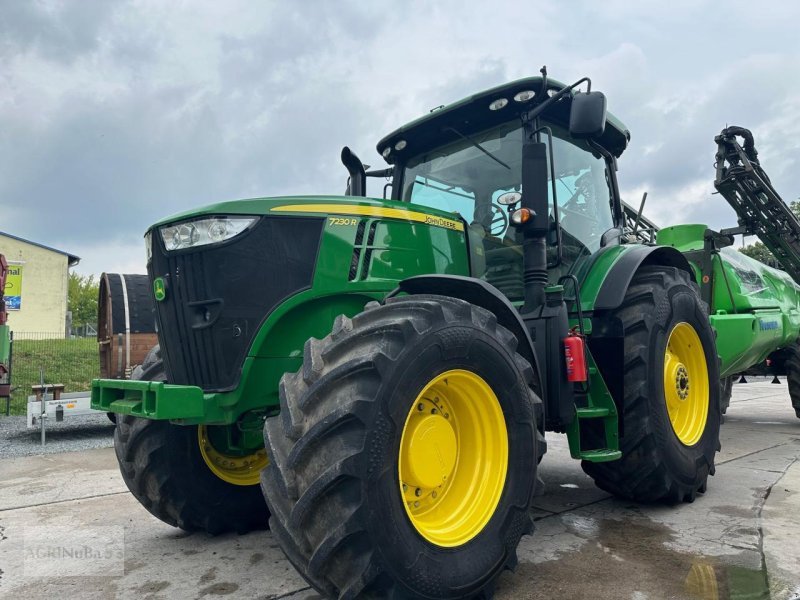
[{"x": 740, "y": 540}]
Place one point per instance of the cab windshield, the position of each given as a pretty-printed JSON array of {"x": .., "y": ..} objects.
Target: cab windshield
[{"x": 462, "y": 179}]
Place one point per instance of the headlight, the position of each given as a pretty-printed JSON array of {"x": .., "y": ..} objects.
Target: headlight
[
  {"x": 203, "y": 231},
  {"x": 524, "y": 96},
  {"x": 148, "y": 246}
]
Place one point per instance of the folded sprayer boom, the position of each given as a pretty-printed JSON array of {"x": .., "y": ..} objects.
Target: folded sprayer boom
[{"x": 761, "y": 210}]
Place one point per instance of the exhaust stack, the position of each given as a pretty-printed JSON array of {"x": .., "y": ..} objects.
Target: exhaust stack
[{"x": 357, "y": 185}]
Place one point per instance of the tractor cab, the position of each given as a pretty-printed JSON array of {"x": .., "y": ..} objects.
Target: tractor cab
[{"x": 467, "y": 159}]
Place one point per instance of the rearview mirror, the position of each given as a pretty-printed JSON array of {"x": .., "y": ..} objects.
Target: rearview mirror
[{"x": 587, "y": 118}]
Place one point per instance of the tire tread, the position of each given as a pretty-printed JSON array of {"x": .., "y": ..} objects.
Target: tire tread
[
  {"x": 642, "y": 474},
  {"x": 318, "y": 521}
]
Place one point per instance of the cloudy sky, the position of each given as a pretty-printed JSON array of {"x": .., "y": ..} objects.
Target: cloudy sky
[{"x": 116, "y": 114}]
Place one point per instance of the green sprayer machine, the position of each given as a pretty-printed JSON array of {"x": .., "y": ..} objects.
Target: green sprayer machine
[{"x": 382, "y": 371}]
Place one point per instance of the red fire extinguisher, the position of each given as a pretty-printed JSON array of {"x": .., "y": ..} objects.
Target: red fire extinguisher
[{"x": 576, "y": 357}]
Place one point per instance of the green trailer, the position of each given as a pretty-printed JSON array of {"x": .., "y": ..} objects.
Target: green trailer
[
  {"x": 754, "y": 309},
  {"x": 385, "y": 370}
]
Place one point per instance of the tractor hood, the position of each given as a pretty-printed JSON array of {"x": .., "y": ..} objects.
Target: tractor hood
[
  {"x": 220, "y": 271},
  {"x": 320, "y": 205}
]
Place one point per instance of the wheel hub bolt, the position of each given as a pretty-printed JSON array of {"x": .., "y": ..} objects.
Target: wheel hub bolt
[{"x": 682, "y": 382}]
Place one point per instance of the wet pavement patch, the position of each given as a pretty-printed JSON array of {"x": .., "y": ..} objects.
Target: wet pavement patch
[{"x": 630, "y": 559}]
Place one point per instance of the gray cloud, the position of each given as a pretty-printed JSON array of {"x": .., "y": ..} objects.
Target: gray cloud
[{"x": 57, "y": 31}]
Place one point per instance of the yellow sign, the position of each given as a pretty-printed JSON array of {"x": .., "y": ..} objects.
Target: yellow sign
[{"x": 12, "y": 294}]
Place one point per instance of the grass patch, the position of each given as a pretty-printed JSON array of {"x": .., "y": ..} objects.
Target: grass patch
[{"x": 73, "y": 362}]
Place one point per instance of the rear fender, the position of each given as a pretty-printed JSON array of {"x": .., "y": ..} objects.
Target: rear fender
[{"x": 619, "y": 276}]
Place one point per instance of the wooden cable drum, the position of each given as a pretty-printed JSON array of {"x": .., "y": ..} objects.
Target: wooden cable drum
[{"x": 126, "y": 324}]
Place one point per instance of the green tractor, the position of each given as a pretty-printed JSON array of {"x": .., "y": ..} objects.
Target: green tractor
[{"x": 386, "y": 368}]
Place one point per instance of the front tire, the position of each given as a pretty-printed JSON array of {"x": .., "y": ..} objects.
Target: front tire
[
  {"x": 167, "y": 468},
  {"x": 670, "y": 414},
  {"x": 355, "y": 507}
]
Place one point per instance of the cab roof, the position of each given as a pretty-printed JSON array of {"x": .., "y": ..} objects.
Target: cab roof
[{"x": 472, "y": 114}]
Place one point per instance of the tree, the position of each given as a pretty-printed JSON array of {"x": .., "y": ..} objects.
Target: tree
[
  {"x": 760, "y": 252},
  {"x": 82, "y": 299}
]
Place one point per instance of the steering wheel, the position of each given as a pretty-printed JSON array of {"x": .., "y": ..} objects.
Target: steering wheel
[
  {"x": 583, "y": 187},
  {"x": 499, "y": 222}
]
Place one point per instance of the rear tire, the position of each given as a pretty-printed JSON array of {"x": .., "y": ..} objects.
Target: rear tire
[
  {"x": 656, "y": 465},
  {"x": 164, "y": 469},
  {"x": 337, "y": 452},
  {"x": 793, "y": 376}
]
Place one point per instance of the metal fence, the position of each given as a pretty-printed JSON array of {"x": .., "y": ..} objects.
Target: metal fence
[{"x": 72, "y": 362}]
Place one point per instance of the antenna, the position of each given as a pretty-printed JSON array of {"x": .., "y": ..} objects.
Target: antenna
[{"x": 543, "y": 71}]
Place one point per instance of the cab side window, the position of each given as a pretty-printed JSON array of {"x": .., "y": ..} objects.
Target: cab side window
[
  {"x": 582, "y": 192},
  {"x": 437, "y": 194}
]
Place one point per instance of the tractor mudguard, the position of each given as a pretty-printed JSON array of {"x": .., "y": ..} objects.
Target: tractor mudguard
[
  {"x": 618, "y": 279},
  {"x": 480, "y": 293}
]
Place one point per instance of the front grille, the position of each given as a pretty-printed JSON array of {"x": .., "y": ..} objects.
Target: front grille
[{"x": 218, "y": 296}]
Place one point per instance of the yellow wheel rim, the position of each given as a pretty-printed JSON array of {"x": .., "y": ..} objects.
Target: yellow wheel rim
[
  {"x": 238, "y": 470},
  {"x": 453, "y": 458},
  {"x": 686, "y": 388}
]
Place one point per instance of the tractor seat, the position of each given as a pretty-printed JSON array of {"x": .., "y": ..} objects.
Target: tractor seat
[
  {"x": 502, "y": 261},
  {"x": 504, "y": 270}
]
